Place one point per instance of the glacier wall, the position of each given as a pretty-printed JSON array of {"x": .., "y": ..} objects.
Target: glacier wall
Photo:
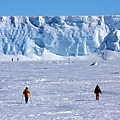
[{"x": 61, "y": 35}]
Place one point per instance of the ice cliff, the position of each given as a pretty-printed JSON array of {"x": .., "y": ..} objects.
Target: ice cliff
[{"x": 61, "y": 35}]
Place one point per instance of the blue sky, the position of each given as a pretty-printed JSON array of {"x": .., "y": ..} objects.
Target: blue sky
[{"x": 59, "y": 7}]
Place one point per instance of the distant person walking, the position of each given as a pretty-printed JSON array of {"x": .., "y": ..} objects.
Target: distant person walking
[
  {"x": 26, "y": 93},
  {"x": 97, "y": 91}
]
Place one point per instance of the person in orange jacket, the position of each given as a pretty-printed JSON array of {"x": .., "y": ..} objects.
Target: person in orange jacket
[
  {"x": 97, "y": 91},
  {"x": 26, "y": 93}
]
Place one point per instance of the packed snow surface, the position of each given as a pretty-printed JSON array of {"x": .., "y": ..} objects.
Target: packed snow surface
[{"x": 60, "y": 90}]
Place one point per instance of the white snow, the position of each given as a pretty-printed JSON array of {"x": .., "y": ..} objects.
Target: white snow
[
  {"x": 60, "y": 89},
  {"x": 52, "y": 56}
]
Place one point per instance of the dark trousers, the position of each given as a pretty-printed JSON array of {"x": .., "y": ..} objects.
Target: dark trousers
[{"x": 26, "y": 99}]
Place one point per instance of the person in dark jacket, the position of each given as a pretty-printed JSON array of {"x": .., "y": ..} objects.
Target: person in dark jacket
[
  {"x": 97, "y": 91},
  {"x": 26, "y": 93}
]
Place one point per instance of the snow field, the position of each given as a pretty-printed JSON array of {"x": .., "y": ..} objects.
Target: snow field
[{"x": 60, "y": 90}]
